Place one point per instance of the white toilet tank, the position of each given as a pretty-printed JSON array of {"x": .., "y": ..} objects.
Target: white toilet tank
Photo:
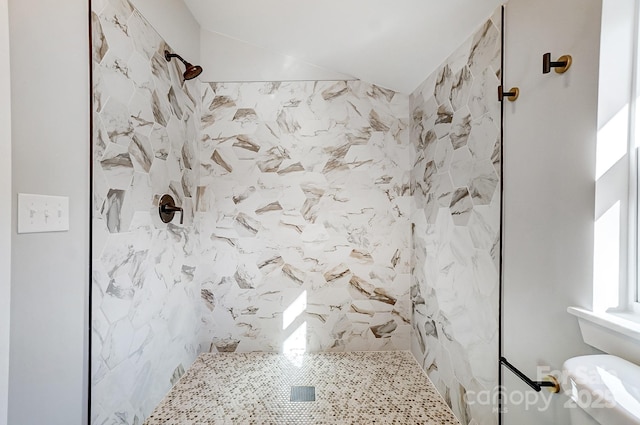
[{"x": 606, "y": 389}]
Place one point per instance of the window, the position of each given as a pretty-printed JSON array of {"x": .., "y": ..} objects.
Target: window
[
  {"x": 613, "y": 324},
  {"x": 616, "y": 286}
]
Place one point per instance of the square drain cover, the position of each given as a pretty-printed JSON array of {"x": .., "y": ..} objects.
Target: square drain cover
[{"x": 303, "y": 394}]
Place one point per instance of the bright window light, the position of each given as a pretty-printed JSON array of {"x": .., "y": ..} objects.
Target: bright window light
[
  {"x": 295, "y": 345},
  {"x": 294, "y": 310},
  {"x": 606, "y": 260},
  {"x": 612, "y": 141}
]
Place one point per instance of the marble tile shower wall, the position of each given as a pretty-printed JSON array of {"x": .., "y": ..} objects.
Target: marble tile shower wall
[
  {"x": 305, "y": 212},
  {"x": 146, "y": 288},
  {"x": 455, "y": 183}
]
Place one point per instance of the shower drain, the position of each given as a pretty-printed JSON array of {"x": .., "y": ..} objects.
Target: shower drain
[{"x": 301, "y": 393}]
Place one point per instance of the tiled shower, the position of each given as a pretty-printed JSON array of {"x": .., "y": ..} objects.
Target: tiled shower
[{"x": 319, "y": 216}]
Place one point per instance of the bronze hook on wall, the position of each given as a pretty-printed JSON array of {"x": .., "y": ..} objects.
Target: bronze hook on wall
[
  {"x": 511, "y": 95},
  {"x": 561, "y": 65}
]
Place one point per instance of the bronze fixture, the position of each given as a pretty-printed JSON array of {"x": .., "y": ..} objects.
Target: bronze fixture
[
  {"x": 556, "y": 384},
  {"x": 561, "y": 65},
  {"x": 191, "y": 71},
  {"x": 511, "y": 95},
  {"x": 168, "y": 209}
]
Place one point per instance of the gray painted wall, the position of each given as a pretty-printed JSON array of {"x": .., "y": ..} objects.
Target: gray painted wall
[
  {"x": 549, "y": 166},
  {"x": 175, "y": 24},
  {"x": 50, "y": 271},
  {"x": 5, "y": 193}
]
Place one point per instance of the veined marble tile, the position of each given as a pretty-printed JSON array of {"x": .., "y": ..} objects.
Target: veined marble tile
[
  {"x": 146, "y": 304},
  {"x": 145, "y": 39},
  {"x": 485, "y": 47},
  {"x": 114, "y": 116},
  {"x": 456, "y": 233},
  {"x": 113, "y": 17},
  {"x": 142, "y": 119},
  {"x": 311, "y": 170},
  {"x": 482, "y": 98}
]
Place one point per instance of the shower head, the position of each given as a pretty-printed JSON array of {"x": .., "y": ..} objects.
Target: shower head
[{"x": 191, "y": 71}]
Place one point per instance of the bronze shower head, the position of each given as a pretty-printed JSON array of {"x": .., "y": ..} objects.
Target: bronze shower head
[{"x": 191, "y": 71}]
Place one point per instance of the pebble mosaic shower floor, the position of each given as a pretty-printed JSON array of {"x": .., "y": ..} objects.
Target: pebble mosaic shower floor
[{"x": 350, "y": 388}]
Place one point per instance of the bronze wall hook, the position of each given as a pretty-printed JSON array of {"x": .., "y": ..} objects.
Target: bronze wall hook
[
  {"x": 511, "y": 95},
  {"x": 561, "y": 65}
]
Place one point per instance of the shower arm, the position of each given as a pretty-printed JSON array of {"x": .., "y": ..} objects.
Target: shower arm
[
  {"x": 190, "y": 72},
  {"x": 168, "y": 56}
]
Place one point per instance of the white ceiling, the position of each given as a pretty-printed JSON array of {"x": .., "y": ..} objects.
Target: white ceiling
[{"x": 392, "y": 43}]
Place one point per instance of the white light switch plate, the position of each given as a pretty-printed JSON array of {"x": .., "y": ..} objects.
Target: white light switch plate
[{"x": 42, "y": 213}]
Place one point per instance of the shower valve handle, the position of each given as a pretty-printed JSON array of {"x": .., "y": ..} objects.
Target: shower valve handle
[{"x": 168, "y": 209}]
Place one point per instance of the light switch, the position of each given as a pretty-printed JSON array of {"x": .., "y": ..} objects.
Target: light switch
[{"x": 42, "y": 213}]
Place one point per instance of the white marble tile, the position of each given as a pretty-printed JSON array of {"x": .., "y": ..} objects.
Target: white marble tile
[
  {"x": 483, "y": 97},
  {"x": 484, "y": 132},
  {"x": 116, "y": 81},
  {"x": 485, "y": 47},
  {"x": 142, "y": 119},
  {"x": 460, "y": 127},
  {"x": 325, "y": 136},
  {"x": 443, "y": 84},
  {"x": 145, "y": 302},
  {"x": 444, "y": 118},
  {"x": 461, "y": 88},
  {"x": 456, "y": 228},
  {"x": 115, "y": 119},
  {"x": 145, "y": 39},
  {"x": 113, "y": 18},
  {"x": 461, "y": 167},
  {"x": 116, "y": 346},
  {"x": 443, "y": 154},
  {"x": 483, "y": 183}
]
